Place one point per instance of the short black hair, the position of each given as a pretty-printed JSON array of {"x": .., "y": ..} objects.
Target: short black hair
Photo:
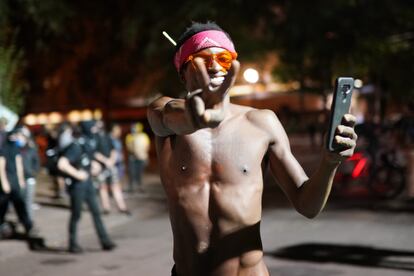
[
  {"x": 62, "y": 127},
  {"x": 197, "y": 27}
]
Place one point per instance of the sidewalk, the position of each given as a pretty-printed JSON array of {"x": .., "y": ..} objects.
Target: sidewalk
[{"x": 53, "y": 215}]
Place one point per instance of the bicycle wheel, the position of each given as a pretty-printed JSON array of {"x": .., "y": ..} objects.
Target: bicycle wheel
[{"x": 387, "y": 182}]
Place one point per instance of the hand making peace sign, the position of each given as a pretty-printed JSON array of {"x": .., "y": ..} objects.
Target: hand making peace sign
[{"x": 205, "y": 104}]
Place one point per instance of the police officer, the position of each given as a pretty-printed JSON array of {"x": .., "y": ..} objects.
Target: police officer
[
  {"x": 77, "y": 163},
  {"x": 12, "y": 179},
  {"x": 31, "y": 164}
]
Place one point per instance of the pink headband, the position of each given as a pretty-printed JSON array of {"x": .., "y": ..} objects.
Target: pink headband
[{"x": 200, "y": 41}]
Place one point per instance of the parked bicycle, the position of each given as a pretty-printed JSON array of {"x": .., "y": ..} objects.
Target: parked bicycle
[{"x": 380, "y": 169}]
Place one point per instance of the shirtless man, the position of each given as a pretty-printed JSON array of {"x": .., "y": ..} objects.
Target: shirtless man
[{"x": 210, "y": 154}]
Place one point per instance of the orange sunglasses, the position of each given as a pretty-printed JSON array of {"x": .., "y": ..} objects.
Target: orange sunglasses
[{"x": 224, "y": 58}]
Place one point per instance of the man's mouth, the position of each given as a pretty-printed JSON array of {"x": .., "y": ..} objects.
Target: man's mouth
[{"x": 216, "y": 80}]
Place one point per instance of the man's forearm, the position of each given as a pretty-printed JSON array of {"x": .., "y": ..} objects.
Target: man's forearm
[
  {"x": 175, "y": 118},
  {"x": 3, "y": 176},
  {"x": 101, "y": 158},
  {"x": 66, "y": 167},
  {"x": 113, "y": 157},
  {"x": 5, "y": 184},
  {"x": 315, "y": 191},
  {"x": 20, "y": 171}
]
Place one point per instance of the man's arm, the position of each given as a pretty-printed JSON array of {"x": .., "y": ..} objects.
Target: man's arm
[
  {"x": 113, "y": 157},
  {"x": 20, "y": 171},
  {"x": 3, "y": 176},
  {"x": 102, "y": 158},
  {"x": 113, "y": 154},
  {"x": 202, "y": 107},
  {"x": 308, "y": 195},
  {"x": 167, "y": 116},
  {"x": 65, "y": 166}
]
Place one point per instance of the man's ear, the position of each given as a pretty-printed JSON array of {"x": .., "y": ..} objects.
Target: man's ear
[{"x": 182, "y": 71}]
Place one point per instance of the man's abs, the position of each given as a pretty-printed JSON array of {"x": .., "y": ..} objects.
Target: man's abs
[{"x": 216, "y": 227}]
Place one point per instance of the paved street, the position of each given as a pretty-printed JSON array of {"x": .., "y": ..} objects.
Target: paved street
[{"x": 351, "y": 237}]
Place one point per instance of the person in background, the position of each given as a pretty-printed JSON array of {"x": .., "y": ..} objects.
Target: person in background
[
  {"x": 108, "y": 179},
  {"x": 12, "y": 179},
  {"x": 404, "y": 129},
  {"x": 31, "y": 166},
  {"x": 52, "y": 156},
  {"x": 76, "y": 161},
  {"x": 116, "y": 133},
  {"x": 138, "y": 145},
  {"x": 3, "y": 133}
]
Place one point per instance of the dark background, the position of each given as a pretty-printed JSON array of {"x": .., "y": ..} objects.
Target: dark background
[{"x": 62, "y": 55}]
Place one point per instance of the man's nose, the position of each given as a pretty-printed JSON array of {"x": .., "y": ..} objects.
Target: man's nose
[{"x": 214, "y": 66}]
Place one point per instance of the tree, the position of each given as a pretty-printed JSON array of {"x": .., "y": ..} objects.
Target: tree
[
  {"x": 103, "y": 54},
  {"x": 11, "y": 85},
  {"x": 367, "y": 39}
]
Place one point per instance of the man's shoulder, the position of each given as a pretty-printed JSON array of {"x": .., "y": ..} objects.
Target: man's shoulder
[
  {"x": 264, "y": 119},
  {"x": 261, "y": 116},
  {"x": 76, "y": 145},
  {"x": 255, "y": 115}
]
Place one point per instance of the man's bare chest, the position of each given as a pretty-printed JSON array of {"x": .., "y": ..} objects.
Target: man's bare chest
[{"x": 234, "y": 148}]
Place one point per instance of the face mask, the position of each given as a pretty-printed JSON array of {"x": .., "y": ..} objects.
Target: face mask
[
  {"x": 19, "y": 143},
  {"x": 65, "y": 139}
]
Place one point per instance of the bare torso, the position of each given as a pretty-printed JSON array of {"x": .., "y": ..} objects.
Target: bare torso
[
  {"x": 210, "y": 154},
  {"x": 213, "y": 181}
]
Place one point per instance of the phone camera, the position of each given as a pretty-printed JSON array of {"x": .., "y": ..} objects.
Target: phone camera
[{"x": 346, "y": 89}]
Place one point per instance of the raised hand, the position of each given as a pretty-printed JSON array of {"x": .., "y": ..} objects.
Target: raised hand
[
  {"x": 205, "y": 105},
  {"x": 345, "y": 137},
  {"x": 6, "y": 188}
]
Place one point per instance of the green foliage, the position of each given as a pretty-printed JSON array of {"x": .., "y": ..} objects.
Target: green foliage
[
  {"x": 100, "y": 50},
  {"x": 320, "y": 40},
  {"x": 11, "y": 85}
]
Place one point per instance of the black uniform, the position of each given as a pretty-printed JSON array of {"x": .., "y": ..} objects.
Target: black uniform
[
  {"x": 31, "y": 165},
  {"x": 80, "y": 155},
  {"x": 9, "y": 151}
]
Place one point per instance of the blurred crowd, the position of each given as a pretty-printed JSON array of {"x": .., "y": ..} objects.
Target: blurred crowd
[{"x": 87, "y": 163}]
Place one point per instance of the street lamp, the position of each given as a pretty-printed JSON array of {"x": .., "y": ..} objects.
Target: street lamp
[
  {"x": 251, "y": 75},
  {"x": 358, "y": 83}
]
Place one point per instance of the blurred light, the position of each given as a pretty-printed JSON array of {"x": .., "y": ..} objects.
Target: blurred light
[
  {"x": 55, "y": 118},
  {"x": 358, "y": 83},
  {"x": 74, "y": 116},
  {"x": 97, "y": 114},
  {"x": 87, "y": 115},
  {"x": 30, "y": 119},
  {"x": 238, "y": 90},
  {"x": 251, "y": 75},
  {"x": 42, "y": 119},
  {"x": 50, "y": 127}
]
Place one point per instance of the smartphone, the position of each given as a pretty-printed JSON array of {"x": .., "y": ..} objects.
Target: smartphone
[{"x": 341, "y": 102}]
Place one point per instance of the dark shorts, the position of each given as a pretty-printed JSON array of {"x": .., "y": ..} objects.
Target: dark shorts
[
  {"x": 113, "y": 176},
  {"x": 107, "y": 176}
]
